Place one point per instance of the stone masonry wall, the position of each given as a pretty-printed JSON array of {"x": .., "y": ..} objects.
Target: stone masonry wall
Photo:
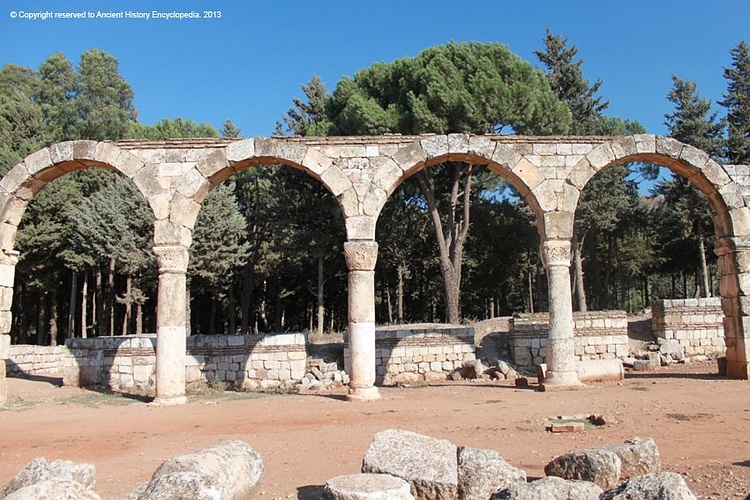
[
  {"x": 421, "y": 352},
  {"x": 246, "y": 361},
  {"x": 33, "y": 360},
  {"x": 597, "y": 335},
  {"x": 697, "y": 324}
]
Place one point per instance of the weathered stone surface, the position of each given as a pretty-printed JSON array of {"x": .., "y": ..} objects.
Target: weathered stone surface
[
  {"x": 430, "y": 465},
  {"x": 550, "y": 488},
  {"x": 638, "y": 457},
  {"x": 54, "y": 489},
  {"x": 368, "y": 487},
  {"x": 482, "y": 472},
  {"x": 656, "y": 486},
  {"x": 599, "y": 466},
  {"x": 228, "y": 470},
  {"x": 59, "y": 472}
]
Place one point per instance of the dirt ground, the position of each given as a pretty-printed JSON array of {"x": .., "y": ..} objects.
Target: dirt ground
[{"x": 700, "y": 422}]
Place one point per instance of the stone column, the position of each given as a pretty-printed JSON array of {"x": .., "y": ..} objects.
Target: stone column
[
  {"x": 732, "y": 259},
  {"x": 171, "y": 325},
  {"x": 8, "y": 261},
  {"x": 560, "y": 352},
  {"x": 360, "y": 260}
]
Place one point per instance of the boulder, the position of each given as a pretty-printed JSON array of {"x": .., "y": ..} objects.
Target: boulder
[
  {"x": 655, "y": 486},
  {"x": 550, "y": 488},
  {"x": 472, "y": 369},
  {"x": 599, "y": 466},
  {"x": 483, "y": 472},
  {"x": 38, "y": 470},
  {"x": 430, "y": 465},
  {"x": 368, "y": 487},
  {"x": 228, "y": 470},
  {"x": 54, "y": 489},
  {"x": 638, "y": 457}
]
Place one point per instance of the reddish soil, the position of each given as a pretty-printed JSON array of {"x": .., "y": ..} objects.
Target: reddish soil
[{"x": 699, "y": 421}]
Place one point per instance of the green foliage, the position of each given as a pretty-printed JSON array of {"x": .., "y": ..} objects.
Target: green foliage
[
  {"x": 737, "y": 102},
  {"x": 174, "y": 128}
]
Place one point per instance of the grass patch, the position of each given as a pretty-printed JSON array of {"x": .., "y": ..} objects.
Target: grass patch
[
  {"x": 679, "y": 416},
  {"x": 590, "y": 422},
  {"x": 639, "y": 388}
]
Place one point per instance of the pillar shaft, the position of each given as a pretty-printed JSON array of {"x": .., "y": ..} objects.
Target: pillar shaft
[
  {"x": 171, "y": 328},
  {"x": 361, "y": 257},
  {"x": 560, "y": 350},
  {"x": 733, "y": 260},
  {"x": 8, "y": 261}
]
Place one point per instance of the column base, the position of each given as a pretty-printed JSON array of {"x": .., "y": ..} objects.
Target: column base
[
  {"x": 738, "y": 369},
  {"x": 174, "y": 401},
  {"x": 560, "y": 380},
  {"x": 363, "y": 394}
]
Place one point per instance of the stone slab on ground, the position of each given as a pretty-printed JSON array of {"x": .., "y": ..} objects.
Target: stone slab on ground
[
  {"x": 430, "y": 465},
  {"x": 599, "y": 466},
  {"x": 483, "y": 472},
  {"x": 638, "y": 457},
  {"x": 656, "y": 486},
  {"x": 368, "y": 487},
  {"x": 550, "y": 488}
]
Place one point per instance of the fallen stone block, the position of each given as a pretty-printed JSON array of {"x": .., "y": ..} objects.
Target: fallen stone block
[
  {"x": 54, "y": 489},
  {"x": 599, "y": 466},
  {"x": 638, "y": 457},
  {"x": 430, "y": 465},
  {"x": 550, "y": 488},
  {"x": 231, "y": 470},
  {"x": 558, "y": 428},
  {"x": 482, "y": 472},
  {"x": 39, "y": 470},
  {"x": 655, "y": 486},
  {"x": 367, "y": 487}
]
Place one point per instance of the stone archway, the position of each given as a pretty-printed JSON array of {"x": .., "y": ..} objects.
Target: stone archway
[{"x": 722, "y": 186}]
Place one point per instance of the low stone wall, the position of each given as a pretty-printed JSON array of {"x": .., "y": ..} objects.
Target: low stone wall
[
  {"x": 697, "y": 324},
  {"x": 33, "y": 360},
  {"x": 597, "y": 335},
  {"x": 246, "y": 361},
  {"x": 420, "y": 352}
]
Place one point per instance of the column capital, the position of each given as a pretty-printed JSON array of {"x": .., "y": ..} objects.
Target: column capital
[
  {"x": 9, "y": 256},
  {"x": 172, "y": 259},
  {"x": 556, "y": 253},
  {"x": 361, "y": 255}
]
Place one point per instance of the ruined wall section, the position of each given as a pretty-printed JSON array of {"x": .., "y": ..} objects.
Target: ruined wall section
[{"x": 697, "y": 324}]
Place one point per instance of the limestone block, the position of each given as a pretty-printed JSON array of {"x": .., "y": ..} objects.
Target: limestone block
[
  {"x": 660, "y": 485},
  {"x": 549, "y": 488},
  {"x": 429, "y": 465},
  {"x": 231, "y": 469},
  {"x": 638, "y": 457},
  {"x": 368, "y": 487},
  {"x": 483, "y": 472},
  {"x": 600, "y": 466},
  {"x": 54, "y": 488}
]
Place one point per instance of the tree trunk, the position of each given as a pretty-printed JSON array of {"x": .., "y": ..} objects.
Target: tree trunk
[
  {"x": 451, "y": 238},
  {"x": 84, "y": 304},
  {"x": 99, "y": 304},
  {"x": 231, "y": 317},
  {"x": 321, "y": 296},
  {"x": 110, "y": 305},
  {"x": 41, "y": 326},
  {"x": 388, "y": 304},
  {"x": 531, "y": 288},
  {"x": 73, "y": 305},
  {"x": 138, "y": 319},
  {"x": 400, "y": 294},
  {"x": 212, "y": 317},
  {"x": 53, "y": 318},
  {"x": 247, "y": 296},
  {"x": 580, "y": 292},
  {"x": 704, "y": 266},
  {"x": 128, "y": 306}
]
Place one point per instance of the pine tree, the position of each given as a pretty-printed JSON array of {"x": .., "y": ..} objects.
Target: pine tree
[
  {"x": 693, "y": 123},
  {"x": 566, "y": 79},
  {"x": 229, "y": 130},
  {"x": 737, "y": 102}
]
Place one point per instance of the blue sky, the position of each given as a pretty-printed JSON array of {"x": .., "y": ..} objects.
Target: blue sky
[{"x": 248, "y": 64}]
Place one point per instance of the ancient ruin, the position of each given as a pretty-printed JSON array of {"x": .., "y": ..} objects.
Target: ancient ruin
[{"x": 361, "y": 172}]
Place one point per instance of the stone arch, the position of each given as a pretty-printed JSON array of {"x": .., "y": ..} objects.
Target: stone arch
[
  {"x": 731, "y": 218},
  {"x": 223, "y": 163},
  {"x": 19, "y": 186},
  {"x": 500, "y": 157}
]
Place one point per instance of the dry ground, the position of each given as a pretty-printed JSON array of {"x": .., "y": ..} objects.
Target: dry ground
[{"x": 700, "y": 422}]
